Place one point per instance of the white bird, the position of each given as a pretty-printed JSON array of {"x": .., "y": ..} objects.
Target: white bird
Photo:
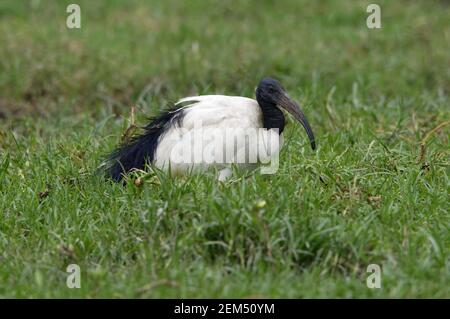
[{"x": 212, "y": 131}]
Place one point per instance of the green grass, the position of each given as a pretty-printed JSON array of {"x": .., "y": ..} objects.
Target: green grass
[{"x": 367, "y": 195}]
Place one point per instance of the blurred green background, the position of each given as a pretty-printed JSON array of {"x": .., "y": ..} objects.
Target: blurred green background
[{"x": 217, "y": 46}]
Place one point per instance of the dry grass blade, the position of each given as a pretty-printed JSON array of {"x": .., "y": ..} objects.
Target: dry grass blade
[{"x": 423, "y": 142}]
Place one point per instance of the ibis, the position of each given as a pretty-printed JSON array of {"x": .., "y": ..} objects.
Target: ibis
[{"x": 205, "y": 131}]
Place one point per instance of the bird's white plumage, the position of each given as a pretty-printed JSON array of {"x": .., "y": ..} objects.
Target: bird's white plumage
[{"x": 212, "y": 115}]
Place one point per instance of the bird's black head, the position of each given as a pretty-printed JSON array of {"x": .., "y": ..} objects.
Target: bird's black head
[
  {"x": 269, "y": 91},
  {"x": 271, "y": 94}
]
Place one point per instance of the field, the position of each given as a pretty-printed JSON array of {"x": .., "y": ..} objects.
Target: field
[{"x": 376, "y": 191}]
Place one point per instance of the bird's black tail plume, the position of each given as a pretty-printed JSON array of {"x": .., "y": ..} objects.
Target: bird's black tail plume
[
  {"x": 132, "y": 155},
  {"x": 141, "y": 149}
]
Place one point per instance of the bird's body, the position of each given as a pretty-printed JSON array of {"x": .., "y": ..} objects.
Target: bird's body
[
  {"x": 205, "y": 131},
  {"x": 204, "y": 116}
]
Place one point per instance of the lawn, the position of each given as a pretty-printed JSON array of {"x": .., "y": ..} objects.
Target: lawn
[{"x": 376, "y": 190}]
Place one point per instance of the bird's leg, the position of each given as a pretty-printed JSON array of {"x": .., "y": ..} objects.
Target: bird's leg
[{"x": 224, "y": 174}]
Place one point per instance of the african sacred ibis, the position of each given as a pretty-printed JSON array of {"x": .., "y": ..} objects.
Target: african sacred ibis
[{"x": 170, "y": 140}]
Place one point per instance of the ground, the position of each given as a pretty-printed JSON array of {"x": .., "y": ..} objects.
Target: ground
[{"x": 376, "y": 191}]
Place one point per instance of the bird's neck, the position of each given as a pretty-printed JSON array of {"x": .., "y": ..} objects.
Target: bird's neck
[{"x": 273, "y": 117}]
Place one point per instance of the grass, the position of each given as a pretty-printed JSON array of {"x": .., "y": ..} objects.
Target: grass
[{"x": 370, "y": 193}]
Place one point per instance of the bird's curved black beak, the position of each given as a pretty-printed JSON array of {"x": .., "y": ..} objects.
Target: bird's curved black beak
[{"x": 292, "y": 107}]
